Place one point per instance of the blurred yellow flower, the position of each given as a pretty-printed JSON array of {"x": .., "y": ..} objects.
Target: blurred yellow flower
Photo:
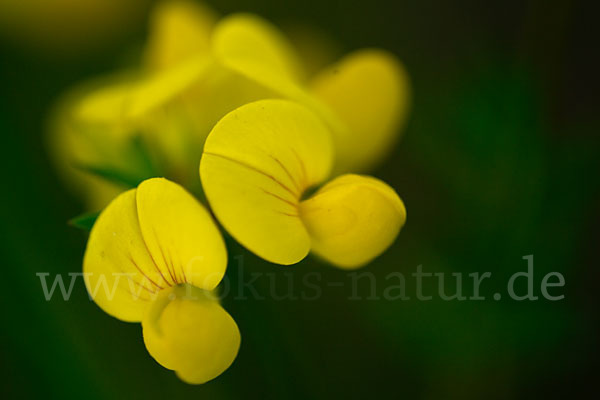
[
  {"x": 198, "y": 68},
  {"x": 258, "y": 165},
  {"x": 179, "y": 29},
  {"x": 155, "y": 256},
  {"x": 95, "y": 124}
]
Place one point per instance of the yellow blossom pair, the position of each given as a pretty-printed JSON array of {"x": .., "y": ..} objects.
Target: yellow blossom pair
[
  {"x": 155, "y": 256},
  {"x": 258, "y": 163},
  {"x": 277, "y": 150}
]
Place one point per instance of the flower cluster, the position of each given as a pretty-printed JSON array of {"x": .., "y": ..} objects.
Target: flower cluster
[{"x": 279, "y": 154}]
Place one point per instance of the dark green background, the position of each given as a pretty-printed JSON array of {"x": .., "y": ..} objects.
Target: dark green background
[{"x": 499, "y": 160}]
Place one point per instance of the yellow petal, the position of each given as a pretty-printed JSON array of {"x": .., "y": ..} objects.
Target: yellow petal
[
  {"x": 353, "y": 219},
  {"x": 253, "y": 47},
  {"x": 369, "y": 91},
  {"x": 180, "y": 234},
  {"x": 257, "y": 162},
  {"x": 178, "y": 29},
  {"x": 125, "y": 102},
  {"x": 188, "y": 331},
  {"x": 105, "y": 104},
  {"x": 165, "y": 85},
  {"x": 221, "y": 91},
  {"x": 146, "y": 240},
  {"x": 96, "y": 123},
  {"x": 129, "y": 105},
  {"x": 120, "y": 275}
]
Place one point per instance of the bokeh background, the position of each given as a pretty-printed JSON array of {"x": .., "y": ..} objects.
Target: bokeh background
[{"x": 500, "y": 159}]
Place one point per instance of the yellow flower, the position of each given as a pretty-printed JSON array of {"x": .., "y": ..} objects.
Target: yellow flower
[
  {"x": 155, "y": 256},
  {"x": 364, "y": 98},
  {"x": 198, "y": 69},
  {"x": 179, "y": 29},
  {"x": 258, "y": 163},
  {"x": 95, "y": 124}
]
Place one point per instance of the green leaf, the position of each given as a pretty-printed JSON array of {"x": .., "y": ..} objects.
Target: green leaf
[{"x": 85, "y": 221}]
